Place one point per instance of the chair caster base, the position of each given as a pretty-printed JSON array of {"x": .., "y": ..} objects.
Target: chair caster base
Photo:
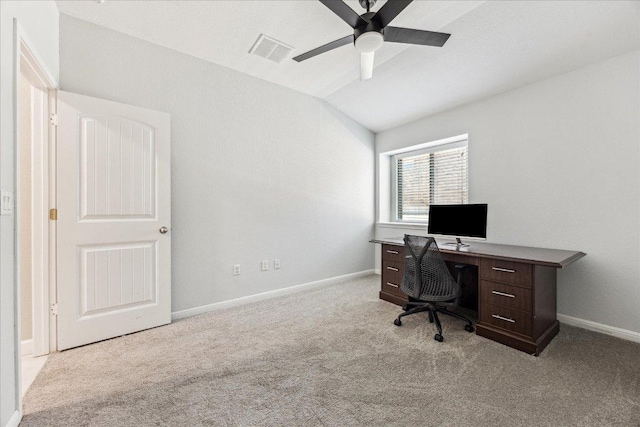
[
  {"x": 406, "y": 307},
  {"x": 397, "y": 322},
  {"x": 438, "y": 337},
  {"x": 468, "y": 328}
]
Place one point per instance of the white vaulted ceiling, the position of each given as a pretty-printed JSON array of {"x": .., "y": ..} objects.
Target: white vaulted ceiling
[{"x": 495, "y": 46}]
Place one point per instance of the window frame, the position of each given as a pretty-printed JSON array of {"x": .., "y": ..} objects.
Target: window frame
[{"x": 430, "y": 147}]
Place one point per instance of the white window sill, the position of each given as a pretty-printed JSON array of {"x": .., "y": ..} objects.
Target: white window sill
[{"x": 404, "y": 225}]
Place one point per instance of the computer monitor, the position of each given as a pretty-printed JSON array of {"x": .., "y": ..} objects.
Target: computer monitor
[{"x": 458, "y": 221}]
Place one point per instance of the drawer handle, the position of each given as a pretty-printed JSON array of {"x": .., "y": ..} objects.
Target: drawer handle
[
  {"x": 506, "y": 319},
  {"x": 392, "y": 269},
  {"x": 502, "y": 294},
  {"x": 504, "y": 270},
  {"x": 392, "y": 252},
  {"x": 392, "y": 284}
]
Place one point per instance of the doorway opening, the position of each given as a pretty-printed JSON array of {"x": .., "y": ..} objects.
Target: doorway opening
[
  {"x": 35, "y": 195},
  {"x": 28, "y": 98}
]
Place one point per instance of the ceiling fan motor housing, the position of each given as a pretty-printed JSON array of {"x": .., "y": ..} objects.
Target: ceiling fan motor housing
[{"x": 369, "y": 38}]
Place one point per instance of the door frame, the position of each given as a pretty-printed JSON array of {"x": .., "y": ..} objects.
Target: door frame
[{"x": 43, "y": 162}]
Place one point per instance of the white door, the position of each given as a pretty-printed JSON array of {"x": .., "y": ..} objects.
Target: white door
[{"x": 114, "y": 214}]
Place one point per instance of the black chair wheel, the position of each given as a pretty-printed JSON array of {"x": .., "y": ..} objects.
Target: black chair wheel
[
  {"x": 468, "y": 328},
  {"x": 397, "y": 322},
  {"x": 438, "y": 337}
]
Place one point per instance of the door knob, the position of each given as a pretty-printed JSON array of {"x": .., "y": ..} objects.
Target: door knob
[{"x": 163, "y": 230}]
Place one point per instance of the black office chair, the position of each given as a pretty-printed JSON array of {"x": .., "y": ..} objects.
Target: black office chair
[{"x": 428, "y": 283}]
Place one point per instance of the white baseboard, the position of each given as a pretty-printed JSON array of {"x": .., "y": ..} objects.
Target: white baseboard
[
  {"x": 266, "y": 295},
  {"x": 26, "y": 347},
  {"x": 15, "y": 419},
  {"x": 599, "y": 327},
  {"x": 378, "y": 271}
]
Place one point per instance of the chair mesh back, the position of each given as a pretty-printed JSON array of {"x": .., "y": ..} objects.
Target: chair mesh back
[{"x": 426, "y": 276}]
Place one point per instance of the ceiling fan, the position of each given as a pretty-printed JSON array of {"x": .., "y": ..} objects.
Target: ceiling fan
[{"x": 371, "y": 30}]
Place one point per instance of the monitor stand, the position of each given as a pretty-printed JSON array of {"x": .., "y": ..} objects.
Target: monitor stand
[{"x": 458, "y": 244}]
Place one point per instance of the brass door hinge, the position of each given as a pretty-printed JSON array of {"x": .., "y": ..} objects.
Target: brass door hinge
[{"x": 53, "y": 214}]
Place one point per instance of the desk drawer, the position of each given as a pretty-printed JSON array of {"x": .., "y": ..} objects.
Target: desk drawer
[
  {"x": 506, "y": 318},
  {"x": 513, "y": 273},
  {"x": 505, "y": 295},
  {"x": 392, "y": 288},
  {"x": 392, "y": 271},
  {"x": 392, "y": 253}
]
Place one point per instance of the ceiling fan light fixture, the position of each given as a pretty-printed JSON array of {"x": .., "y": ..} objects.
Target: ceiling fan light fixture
[{"x": 369, "y": 42}]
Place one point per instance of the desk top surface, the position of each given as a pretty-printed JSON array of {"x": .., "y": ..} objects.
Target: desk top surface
[{"x": 539, "y": 256}]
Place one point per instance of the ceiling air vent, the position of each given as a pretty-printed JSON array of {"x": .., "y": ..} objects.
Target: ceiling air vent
[{"x": 271, "y": 49}]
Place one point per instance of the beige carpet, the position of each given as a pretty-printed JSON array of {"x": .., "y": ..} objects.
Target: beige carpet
[{"x": 332, "y": 357}]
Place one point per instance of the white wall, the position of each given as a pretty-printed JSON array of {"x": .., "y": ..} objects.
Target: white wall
[
  {"x": 258, "y": 171},
  {"x": 39, "y": 19},
  {"x": 558, "y": 162}
]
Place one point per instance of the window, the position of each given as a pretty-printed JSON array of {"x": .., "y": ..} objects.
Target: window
[{"x": 434, "y": 175}]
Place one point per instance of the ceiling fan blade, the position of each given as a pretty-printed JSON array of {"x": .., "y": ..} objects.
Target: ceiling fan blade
[
  {"x": 390, "y": 10},
  {"x": 408, "y": 35},
  {"x": 326, "y": 48},
  {"x": 366, "y": 65},
  {"x": 347, "y": 14}
]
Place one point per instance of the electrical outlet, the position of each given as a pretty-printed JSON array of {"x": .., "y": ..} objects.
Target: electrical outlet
[
  {"x": 264, "y": 265},
  {"x": 276, "y": 264},
  {"x": 237, "y": 270},
  {"x": 6, "y": 202}
]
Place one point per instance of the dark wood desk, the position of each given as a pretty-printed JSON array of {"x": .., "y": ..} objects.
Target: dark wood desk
[{"x": 513, "y": 288}]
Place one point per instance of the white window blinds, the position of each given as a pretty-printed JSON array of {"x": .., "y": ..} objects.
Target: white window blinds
[{"x": 437, "y": 175}]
